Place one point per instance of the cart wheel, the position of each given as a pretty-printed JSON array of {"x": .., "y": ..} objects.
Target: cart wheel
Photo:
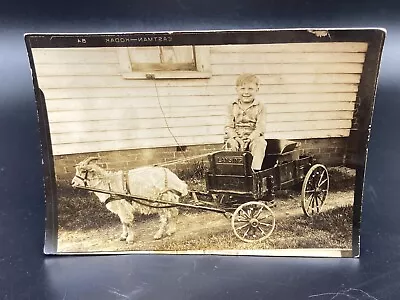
[
  {"x": 315, "y": 189},
  {"x": 253, "y": 222}
]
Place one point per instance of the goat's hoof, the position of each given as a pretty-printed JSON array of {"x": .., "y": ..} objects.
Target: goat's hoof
[
  {"x": 129, "y": 240},
  {"x": 122, "y": 238},
  {"x": 169, "y": 233},
  {"x": 157, "y": 236}
]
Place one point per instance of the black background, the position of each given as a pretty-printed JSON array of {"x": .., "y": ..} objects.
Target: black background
[{"x": 25, "y": 273}]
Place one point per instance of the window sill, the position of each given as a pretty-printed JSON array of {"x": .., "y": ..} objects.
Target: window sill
[{"x": 167, "y": 75}]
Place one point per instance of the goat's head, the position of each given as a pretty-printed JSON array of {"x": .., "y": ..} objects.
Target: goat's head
[{"x": 84, "y": 172}]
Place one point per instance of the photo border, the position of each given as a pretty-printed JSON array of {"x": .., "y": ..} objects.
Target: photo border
[{"x": 367, "y": 90}]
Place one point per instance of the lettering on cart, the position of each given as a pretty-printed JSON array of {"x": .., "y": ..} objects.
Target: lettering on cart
[{"x": 229, "y": 160}]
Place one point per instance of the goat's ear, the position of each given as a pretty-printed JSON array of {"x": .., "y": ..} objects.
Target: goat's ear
[
  {"x": 83, "y": 167},
  {"x": 90, "y": 159}
]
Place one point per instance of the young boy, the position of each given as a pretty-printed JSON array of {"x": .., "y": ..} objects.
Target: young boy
[{"x": 245, "y": 125}]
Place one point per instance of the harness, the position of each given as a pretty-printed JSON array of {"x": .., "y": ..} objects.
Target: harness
[
  {"x": 84, "y": 179},
  {"x": 126, "y": 190}
]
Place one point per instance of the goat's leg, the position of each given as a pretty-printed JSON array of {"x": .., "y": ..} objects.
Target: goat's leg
[
  {"x": 130, "y": 236},
  {"x": 171, "y": 222},
  {"x": 161, "y": 231},
  {"x": 124, "y": 233},
  {"x": 123, "y": 209}
]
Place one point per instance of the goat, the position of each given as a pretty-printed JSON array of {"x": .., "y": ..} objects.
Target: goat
[{"x": 155, "y": 183}]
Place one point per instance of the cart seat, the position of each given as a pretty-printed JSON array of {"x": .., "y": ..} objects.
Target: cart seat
[
  {"x": 278, "y": 151},
  {"x": 279, "y": 146}
]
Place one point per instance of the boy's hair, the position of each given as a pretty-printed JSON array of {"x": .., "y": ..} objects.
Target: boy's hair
[{"x": 247, "y": 78}]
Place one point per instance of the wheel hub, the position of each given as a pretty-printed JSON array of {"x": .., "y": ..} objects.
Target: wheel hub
[{"x": 254, "y": 222}]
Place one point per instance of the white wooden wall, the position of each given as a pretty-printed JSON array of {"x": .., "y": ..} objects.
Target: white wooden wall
[{"x": 309, "y": 91}]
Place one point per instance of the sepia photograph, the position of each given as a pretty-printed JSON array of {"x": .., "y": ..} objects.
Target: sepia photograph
[{"x": 240, "y": 143}]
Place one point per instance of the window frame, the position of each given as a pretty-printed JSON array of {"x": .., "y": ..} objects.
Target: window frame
[{"x": 202, "y": 59}]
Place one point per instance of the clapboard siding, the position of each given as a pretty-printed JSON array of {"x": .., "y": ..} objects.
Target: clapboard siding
[
  {"x": 309, "y": 91},
  {"x": 77, "y": 69},
  {"x": 137, "y": 102},
  {"x": 218, "y": 69},
  {"x": 109, "y": 145},
  {"x": 79, "y": 56},
  {"x": 335, "y": 47},
  {"x": 186, "y": 131},
  {"x": 301, "y": 68},
  {"x": 63, "y": 82},
  {"x": 173, "y": 91},
  {"x": 130, "y": 124},
  {"x": 281, "y": 120},
  {"x": 285, "y": 58},
  {"x": 193, "y": 111}
]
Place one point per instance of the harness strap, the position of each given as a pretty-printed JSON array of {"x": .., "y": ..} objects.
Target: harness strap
[
  {"x": 165, "y": 179},
  {"x": 165, "y": 189},
  {"x": 125, "y": 188},
  {"x": 125, "y": 185},
  {"x": 127, "y": 191},
  {"x": 111, "y": 199}
]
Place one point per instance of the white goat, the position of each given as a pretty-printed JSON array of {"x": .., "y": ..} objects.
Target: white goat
[{"x": 147, "y": 182}]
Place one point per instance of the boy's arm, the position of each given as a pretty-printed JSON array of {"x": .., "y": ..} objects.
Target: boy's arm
[
  {"x": 230, "y": 123},
  {"x": 260, "y": 124}
]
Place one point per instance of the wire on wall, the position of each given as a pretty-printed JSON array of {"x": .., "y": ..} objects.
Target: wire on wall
[{"x": 151, "y": 76}]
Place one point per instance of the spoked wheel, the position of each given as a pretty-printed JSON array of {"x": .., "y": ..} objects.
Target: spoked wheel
[
  {"x": 315, "y": 189},
  {"x": 253, "y": 222}
]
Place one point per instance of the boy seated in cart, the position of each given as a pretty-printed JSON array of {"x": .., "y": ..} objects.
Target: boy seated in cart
[{"x": 245, "y": 125}]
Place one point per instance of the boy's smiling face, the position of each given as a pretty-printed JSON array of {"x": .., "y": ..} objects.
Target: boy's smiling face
[{"x": 247, "y": 92}]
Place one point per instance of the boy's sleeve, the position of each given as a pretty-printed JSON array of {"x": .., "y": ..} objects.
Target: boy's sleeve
[
  {"x": 261, "y": 123},
  {"x": 230, "y": 123}
]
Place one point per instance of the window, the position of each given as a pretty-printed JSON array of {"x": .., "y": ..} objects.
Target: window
[{"x": 162, "y": 62}]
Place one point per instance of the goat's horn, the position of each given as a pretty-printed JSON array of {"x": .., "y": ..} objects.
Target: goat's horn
[{"x": 89, "y": 159}]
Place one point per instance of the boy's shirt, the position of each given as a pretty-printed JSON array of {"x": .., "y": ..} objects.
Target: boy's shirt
[{"x": 246, "y": 123}]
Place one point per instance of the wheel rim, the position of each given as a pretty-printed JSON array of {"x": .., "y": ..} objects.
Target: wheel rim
[
  {"x": 253, "y": 222},
  {"x": 315, "y": 189}
]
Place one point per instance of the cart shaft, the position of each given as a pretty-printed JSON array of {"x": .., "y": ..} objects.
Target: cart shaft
[{"x": 136, "y": 197}]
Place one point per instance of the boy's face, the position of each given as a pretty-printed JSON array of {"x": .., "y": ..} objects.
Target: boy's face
[{"x": 247, "y": 91}]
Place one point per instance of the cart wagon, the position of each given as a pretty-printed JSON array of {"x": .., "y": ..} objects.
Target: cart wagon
[
  {"x": 236, "y": 185},
  {"x": 244, "y": 196}
]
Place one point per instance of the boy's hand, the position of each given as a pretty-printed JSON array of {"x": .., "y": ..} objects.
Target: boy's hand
[
  {"x": 246, "y": 142},
  {"x": 241, "y": 143}
]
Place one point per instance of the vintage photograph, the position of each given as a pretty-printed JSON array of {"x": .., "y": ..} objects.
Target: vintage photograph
[{"x": 252, "y": 145}]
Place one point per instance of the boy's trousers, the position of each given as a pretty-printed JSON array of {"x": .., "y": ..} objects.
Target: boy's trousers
[{"x": 256, "y": 147}]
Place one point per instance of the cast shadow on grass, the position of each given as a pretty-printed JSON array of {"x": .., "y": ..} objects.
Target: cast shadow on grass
[{"x": 330, "y": 229}]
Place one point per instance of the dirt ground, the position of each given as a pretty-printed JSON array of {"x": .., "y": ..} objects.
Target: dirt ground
[{"x": 191, "y": 226}]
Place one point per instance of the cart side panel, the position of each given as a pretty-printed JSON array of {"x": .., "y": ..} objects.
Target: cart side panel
[
  {"x": 229, "y": 184},
  {"x": 287, "y": 173},
  {"x": 230, "y": 171},
  {"x": 303, "y": 164},
  {"x": 273, "y": 159},
  {"x": 283, "y": 176},
  {"x": 230, "y": 163},
  {"x": 294, "y": 172}
]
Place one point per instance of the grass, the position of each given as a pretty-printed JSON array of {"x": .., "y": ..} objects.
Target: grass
[
  {"x": 79, "y": 209},
  {"x": 330, "y": 229},
  {"x": 341, "y": 179}
]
